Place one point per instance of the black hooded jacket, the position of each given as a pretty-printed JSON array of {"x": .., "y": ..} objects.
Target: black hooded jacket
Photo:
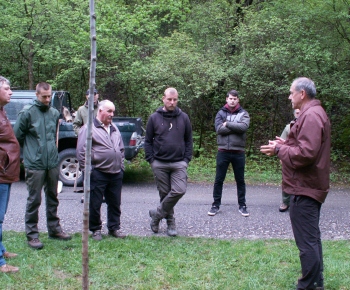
[{"x": 168, "y": 136}]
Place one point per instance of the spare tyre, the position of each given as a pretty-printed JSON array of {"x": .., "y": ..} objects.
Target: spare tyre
[{"x": 68, "y": 163}]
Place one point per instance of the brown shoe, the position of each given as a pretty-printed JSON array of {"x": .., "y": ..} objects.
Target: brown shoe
[
  {"x": 9, "y": 255},
  {"x": 60, "y": 236},
  {"x": 8, "y": 269},
  {"x": 283, "y": 207},
  {"x": 35, "y": 244},
  {"x": 116, "y": 234}
]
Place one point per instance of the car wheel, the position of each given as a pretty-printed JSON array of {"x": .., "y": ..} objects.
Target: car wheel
[{"x": 68, "y": 163}]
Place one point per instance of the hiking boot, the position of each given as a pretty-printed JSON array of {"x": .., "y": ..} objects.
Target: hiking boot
[
  {"x": 171, "y": 227},
  {"x": 213, "y": 211},
  {"x": 96, "y": 235},
  {"x": 8, "y": 269},
  {"x": 243, "y": 210},
  {"x": 35, "y": 244},
  {"x": 155, "y": 221},
  {"x": 9, "y": 255},
  {"x": 283, "y": 207},
  {"x": 60, "y": 236},
  {"x": 116, "y": 234}
]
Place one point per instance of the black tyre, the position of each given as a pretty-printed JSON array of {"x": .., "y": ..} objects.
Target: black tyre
[{"x": 68, "y": 163}]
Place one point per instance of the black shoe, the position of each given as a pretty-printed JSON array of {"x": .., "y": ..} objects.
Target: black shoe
[
  {"x": 213, "y": 211},
  {"x": 60, "y": 236},
  {"x": 35, "y": 244},
  {"x": 283, "y": 207},
  {"x": 243, "y": 210},
  {"x": 155, "y": 221},
  {"x": 96, "y": 235},
  {"x": 116, "y": 234}
]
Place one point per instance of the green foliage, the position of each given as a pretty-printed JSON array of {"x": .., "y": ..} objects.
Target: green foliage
[
  {"x": 203, "y": 48},
  {"x": 169, "y": 263}
]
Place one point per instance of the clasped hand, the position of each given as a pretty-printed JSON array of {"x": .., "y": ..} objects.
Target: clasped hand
[{"x": 269, "y": 149}]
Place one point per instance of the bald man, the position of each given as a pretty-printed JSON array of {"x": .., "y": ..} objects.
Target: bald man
[{"x": 168, "y": 148}]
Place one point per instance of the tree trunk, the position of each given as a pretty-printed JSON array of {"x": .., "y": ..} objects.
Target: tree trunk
[{"x": 85, "y": 237}]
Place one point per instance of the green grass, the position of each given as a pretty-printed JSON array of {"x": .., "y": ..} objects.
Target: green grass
[{"x": 169, "y": 263}]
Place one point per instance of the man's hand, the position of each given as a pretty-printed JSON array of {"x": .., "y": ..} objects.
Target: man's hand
[{"x": 269, "y": 149}]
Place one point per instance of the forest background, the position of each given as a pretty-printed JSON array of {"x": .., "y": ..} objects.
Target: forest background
[{"x": 202, "y": 48}]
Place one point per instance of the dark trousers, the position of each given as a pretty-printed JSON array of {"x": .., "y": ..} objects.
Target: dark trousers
[
  {"x": 36, "y": 180},
  {"x": 305, "y": 216},
  {"x": 110, "y": 186},
  {"x": 223, "y": 160}
]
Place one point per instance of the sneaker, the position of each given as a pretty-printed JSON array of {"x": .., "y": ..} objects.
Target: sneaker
[
  {"x": 213, "y": 211},
  {"x": 9, "y": 255},
  {"x": 35, "y": 244},
  {"x": 96, "y": 235},
  {"x": 8, "y": 269},
  {"x": 243, "y": 210},
  {"x": 155, "y": 221},
  {"x": 60, "y": 236},
  {"x": 283, "y": 207},
  {"x": 171, "y": 227}
]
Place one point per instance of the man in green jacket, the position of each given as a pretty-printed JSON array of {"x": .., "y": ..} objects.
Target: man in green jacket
[
  {"x": 83, "y": 112},
  {"x": 36, "y": 132}
]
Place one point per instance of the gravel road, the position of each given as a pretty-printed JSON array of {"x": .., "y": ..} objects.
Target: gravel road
[{"x": 265, "y": 221}]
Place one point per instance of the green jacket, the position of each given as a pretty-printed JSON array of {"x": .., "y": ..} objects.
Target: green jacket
[
  {"x": 36, "y": 130},
  {"x": 82, "y": 116}
]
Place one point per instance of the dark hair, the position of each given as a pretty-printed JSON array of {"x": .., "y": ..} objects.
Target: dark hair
[
  {"x": 42, "y": 86},
  {"x": 307, "y": 85},
  {"x": 232, "y": 93}
]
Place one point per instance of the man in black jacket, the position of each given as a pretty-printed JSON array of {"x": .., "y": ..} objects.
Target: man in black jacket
[{"x": 168, "y": 148}]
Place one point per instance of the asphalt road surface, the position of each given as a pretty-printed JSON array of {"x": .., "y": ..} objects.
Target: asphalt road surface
[{"x": 265, "y": 221}]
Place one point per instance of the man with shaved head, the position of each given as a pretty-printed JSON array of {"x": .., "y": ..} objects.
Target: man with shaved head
[{"x": 168, "y": 148}]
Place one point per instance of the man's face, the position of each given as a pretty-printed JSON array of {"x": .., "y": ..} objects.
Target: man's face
[
  {"x": 170, "y": 101},
  {"x": 296, "y": 113},
  {"x": 44, "y": 96},
  {"x": 106, "y": 113},
  {"x": 96, "y": 96},
  {"x": 232, "y": 101},
  {"x": 5, "y": 94},
  {"x": 296, "y": 97}
]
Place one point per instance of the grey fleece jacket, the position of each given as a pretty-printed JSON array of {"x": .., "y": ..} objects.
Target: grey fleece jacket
[{"x": 233, "y": 135}]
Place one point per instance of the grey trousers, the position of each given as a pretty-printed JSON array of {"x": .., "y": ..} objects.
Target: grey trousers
[
  {"x": 171, "y": 180},
  {"x": 36, "y": 180}
]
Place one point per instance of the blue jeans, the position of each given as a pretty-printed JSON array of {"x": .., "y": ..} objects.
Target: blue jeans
[
  {"x": 223, "y": 160},
  {"x": 4, "y": 201}
]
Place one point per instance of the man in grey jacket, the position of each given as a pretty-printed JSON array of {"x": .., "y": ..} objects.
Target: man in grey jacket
[
  {"x": 231, "y": 125},
  {"x": 107, "y": 160}
]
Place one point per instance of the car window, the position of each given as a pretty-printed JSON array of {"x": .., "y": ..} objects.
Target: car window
[{"x": 15, "y": 106}]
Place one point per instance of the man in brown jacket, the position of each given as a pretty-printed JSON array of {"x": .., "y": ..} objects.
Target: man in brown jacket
[
  {"x": 9, "y": 167},
  {"x": 305, "y": 158}
]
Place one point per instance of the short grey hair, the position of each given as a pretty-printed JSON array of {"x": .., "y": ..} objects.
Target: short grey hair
[
  {"x": 102, "y": 104},
  {"x": 4, "y": 80},
  {"x": 307, "y": 85}
]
